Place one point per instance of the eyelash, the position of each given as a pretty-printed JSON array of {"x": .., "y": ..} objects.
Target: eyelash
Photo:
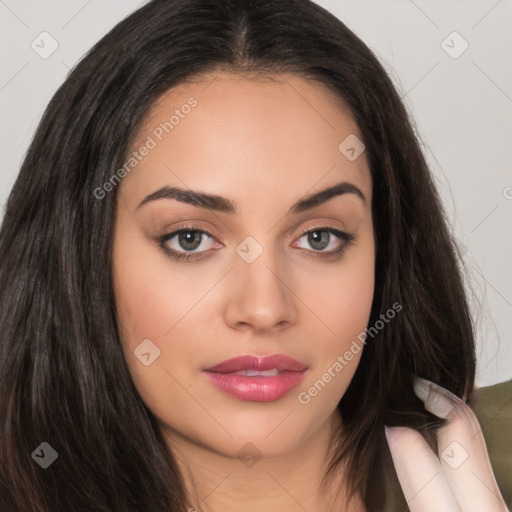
[{"x": 347, "y": 238}]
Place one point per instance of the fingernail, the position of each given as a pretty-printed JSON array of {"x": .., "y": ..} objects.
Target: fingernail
[
  {"x": 422, "y": 388},
  {"x": 446, "y": 392},
  {"x": 390, "y": 432}
]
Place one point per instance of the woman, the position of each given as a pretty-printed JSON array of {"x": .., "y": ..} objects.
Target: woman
[{"x": 224, "y": 270}]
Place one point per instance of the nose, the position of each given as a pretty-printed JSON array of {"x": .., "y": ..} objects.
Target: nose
[{"x": 261, "y": 297}]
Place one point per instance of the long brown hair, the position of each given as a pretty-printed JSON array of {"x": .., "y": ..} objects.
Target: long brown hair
[{"x": 63, "y": 377}]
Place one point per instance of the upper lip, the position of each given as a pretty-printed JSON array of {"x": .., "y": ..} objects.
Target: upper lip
[{"x": 251, "y": 362}]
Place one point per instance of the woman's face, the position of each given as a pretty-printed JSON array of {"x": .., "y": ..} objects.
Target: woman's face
[{"x": 255, "y": 283}]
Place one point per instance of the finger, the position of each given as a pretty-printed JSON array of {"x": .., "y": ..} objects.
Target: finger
[
  {"x": 462, "y": 450},
  {"x": 419, "y": 472}
]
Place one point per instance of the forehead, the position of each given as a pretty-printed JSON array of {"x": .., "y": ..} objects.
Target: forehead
[{"x": 265, "y": 131}]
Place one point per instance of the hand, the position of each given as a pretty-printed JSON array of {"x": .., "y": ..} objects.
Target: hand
[{"x": 461, "y": 479}]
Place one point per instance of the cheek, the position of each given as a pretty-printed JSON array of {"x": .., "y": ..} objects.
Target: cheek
[
  {"x": 157, "y": 302},
  {"x": 148, "y": 308},
  {"x": 152, "y": 294},
  {"x": 343, "y": 304},
  {"x": 350, "y": 305},
  {"x": 342, "y": 295},
  {"x": 145, "y": 305}
]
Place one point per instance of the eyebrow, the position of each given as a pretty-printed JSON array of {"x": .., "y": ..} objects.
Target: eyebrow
[{"x": 224, "y": 205}]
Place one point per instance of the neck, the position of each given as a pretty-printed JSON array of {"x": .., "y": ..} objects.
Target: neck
[{"x": 291, "y": 481}]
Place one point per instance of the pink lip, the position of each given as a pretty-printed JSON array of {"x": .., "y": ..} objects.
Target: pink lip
[
  {"x": 249, "y": 362},
  {"x": 257, "y": 388}
]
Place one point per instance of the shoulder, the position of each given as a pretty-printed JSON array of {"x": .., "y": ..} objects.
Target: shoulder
[{"x": 493, "y": 408}]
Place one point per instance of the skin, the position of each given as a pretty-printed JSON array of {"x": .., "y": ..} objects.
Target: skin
[{"x": 264, "y": 144}]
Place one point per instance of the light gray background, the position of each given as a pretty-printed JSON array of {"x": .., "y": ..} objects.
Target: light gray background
[{"x": 462, "y": 108}]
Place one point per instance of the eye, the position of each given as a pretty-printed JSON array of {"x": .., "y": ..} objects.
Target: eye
[
  {"x": 192, "y": 242},
  {"x": 326, "y": 241},
  {"x": 185, "y": 243}
]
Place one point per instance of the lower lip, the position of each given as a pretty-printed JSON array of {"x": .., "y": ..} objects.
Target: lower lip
[{"x": 256, "y": 389}]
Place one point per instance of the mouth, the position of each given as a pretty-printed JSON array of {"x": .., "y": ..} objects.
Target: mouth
[{"x": 257, "y": 379}]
